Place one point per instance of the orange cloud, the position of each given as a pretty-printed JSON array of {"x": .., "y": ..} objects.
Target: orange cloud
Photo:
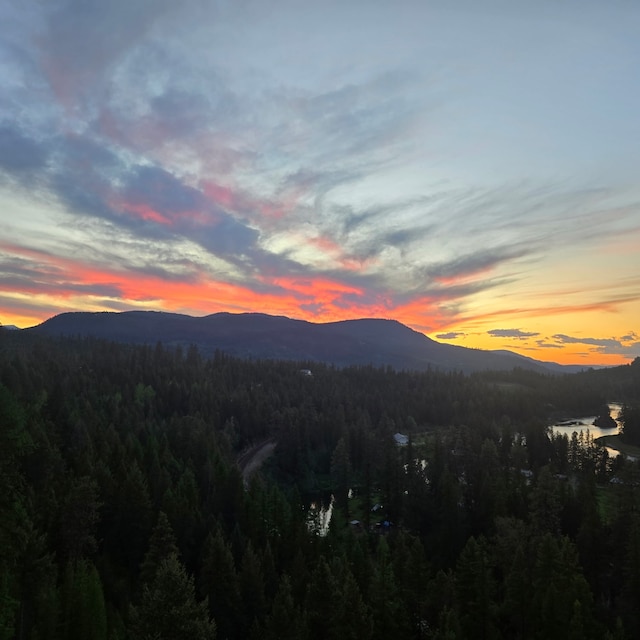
[
  {"x": 63, "y": 284},
  {"x": 64, "y": 280}
]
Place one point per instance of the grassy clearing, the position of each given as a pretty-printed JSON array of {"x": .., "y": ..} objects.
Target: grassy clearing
[{"x": 605, "y": 496}]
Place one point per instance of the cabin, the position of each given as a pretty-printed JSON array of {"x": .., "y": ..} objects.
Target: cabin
[{"x": 401, "y": 440}]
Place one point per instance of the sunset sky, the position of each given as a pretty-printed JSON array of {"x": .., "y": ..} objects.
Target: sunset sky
[{"x": 471, "y": 169}]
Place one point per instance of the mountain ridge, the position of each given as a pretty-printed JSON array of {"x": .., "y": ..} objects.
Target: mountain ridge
[{"x": 363, "y": 341}]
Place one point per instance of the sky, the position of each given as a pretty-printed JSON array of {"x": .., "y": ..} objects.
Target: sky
[{"x": 470, "y": 169}]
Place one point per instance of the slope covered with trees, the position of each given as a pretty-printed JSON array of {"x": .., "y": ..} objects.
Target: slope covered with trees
[{"x": 123, "y": 513}]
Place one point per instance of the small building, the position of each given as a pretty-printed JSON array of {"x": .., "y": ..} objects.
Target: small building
[
  {"x": 306, "y": 372},
  {"x": 401, "y": 440}
]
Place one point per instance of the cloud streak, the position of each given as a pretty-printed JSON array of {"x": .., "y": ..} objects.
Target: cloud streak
[
  {"x": 518, "y": 334},
  {"x": 627, "y": 346}
]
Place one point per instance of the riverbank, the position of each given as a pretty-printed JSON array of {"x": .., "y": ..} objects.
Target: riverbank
[{"x": 615, "y": 442}]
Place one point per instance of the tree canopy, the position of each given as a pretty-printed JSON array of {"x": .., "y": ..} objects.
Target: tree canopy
[{"x": 124, "y": 512}]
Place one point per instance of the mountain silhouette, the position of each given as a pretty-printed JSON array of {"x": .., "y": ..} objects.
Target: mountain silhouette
[{"x": 366, "y": 341}]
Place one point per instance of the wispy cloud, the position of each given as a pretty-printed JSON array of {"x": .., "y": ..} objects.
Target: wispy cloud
[
  {"x": 627, "y": 346},
  {"x": 450, "y": 335},
  {"x": 545, "y": 344}
]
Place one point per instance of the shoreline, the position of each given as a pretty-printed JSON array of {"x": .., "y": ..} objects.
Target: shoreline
[{"x": 615, "y": 442}]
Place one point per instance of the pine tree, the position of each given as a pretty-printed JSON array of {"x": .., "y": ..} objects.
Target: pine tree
[
  {"x": 390, "y": 617},
  {"x": 83, "y": 607},
  {"x": 285, "y": 622},
  {"x": 475, "y": 588},
  {"x": 14, "y": 440},
  {"x": 356, "y": 622},
  {"x": 630, "y": 419},
  {"x": 220, "y": 586},
  {"x": 161, "y": 545},
  {"x": 545, "y": 504},
  {"x": 557, "y": 584},
  {"x": 169, "y": 609},
  {"x": 252, "y": 588},
  {"x": 341, "y": 473},
  {"x": 518, "y": 591},
  {"x": 323, "y": 604}
]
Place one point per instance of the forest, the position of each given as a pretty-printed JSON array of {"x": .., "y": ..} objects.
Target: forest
[{"x": 124, "y": 513}]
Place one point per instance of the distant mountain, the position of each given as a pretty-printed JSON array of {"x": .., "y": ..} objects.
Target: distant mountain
[
  {"x": 255, "y": 335},
  {"x": 10, "y": 327}
]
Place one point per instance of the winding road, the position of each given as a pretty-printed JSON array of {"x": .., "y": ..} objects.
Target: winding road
[{"x": 251, "y": 459}]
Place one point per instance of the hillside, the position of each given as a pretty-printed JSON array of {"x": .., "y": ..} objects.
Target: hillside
[{"x": 252, "y": 335}]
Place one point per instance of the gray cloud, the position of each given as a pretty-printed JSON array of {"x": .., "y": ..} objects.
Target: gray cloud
[
  {"x": 512, "y": 333},
  {"x": 19, "y": 153},
  {"x": 598, "y": 342},
  {"x": 85, "y": 38},
  {"x": 18, "y": 268},
  {"x": 545, "y": 344},
  {"x": 93, "y": 180},
  {"x": 162, "y": 191},
  {"x": 45, "y": 281},
  {"x": 229, "y": 238},
  {"x": 451, "y": 335},
  {"x": 626, "y": 346}
]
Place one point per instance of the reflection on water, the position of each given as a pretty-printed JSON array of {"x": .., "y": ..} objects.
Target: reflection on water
[
  {"x": 319, "y": 517},
  {"x": 585, "y": 423}
]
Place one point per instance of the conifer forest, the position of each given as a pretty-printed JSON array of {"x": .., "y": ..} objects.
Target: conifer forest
[{"x": 148, "y": 492}]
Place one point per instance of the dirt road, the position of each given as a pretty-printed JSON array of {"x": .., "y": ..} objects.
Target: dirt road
[{"x": 251, "y": 460}]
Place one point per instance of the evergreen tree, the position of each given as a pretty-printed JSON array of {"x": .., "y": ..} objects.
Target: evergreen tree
[
  {"x": 341, "y": 474},
  {"x": 630, "y": 595},
  {"x": 161, "y": 545},
  {"x": 356, "y": 621},
  {"x": 83, "y": 607},
  {"x": 390, "y": 618},
  {"x": 448, "y": 626},
  {"x": 518, "y": 592},
  {"x": 475, "y": 590},
  {"x": 558, "y": 584},
  {"x": 285, "y": 622},
  {"x": 545, "y": 503},
  {"x": 169, "y": 609},
  {"x": 252, "y": 588},
  {"x": 323, "y": 604},
  {"x": 219, "y": 585},
  {"x": 14, "y": 440},
  {"x": 630, "y": 419}
]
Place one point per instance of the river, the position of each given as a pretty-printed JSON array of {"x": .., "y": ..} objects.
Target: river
[
  {"x": 585, "y": 424},
  {"x": 319, "y": 515}
]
